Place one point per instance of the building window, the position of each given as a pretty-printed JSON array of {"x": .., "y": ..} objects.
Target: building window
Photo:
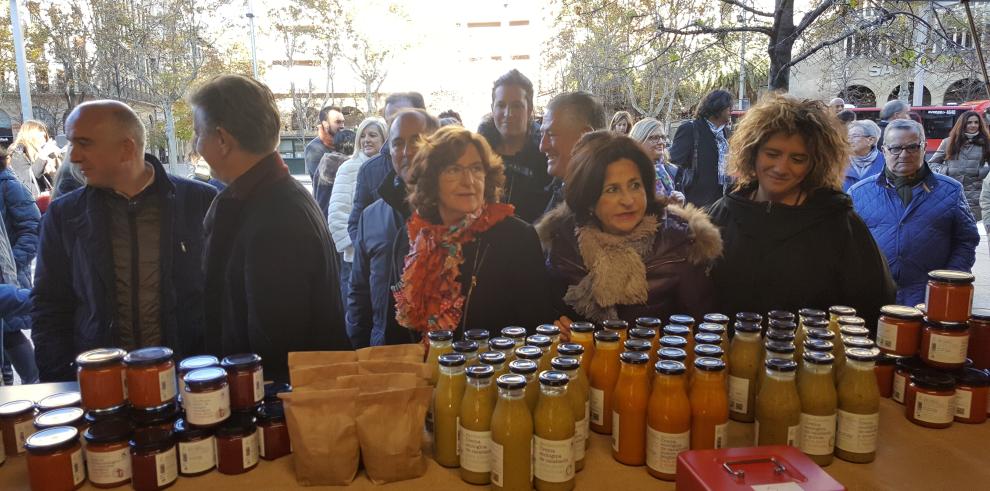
[
  {"x": 520, "y": 57},
  {"x": 513, "y": 23},
  {"x": 484, "y": 24}
]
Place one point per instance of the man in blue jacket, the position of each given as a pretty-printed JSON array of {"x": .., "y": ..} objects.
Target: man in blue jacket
[
  {"x": 920, "y": 219},
  {"x": 119, "y": 260}
]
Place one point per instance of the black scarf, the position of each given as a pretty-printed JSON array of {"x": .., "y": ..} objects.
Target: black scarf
[{"x": 904, "y": 184}]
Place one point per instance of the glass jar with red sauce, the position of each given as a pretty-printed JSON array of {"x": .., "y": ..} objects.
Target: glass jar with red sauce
[
  {"x": 237, "y": 444},
  {"x": 108, "y": 455},
  {"x": 66, "y": 416},
  {"x": 273, "y": 434},
  {"x": 930, "y": 399},
  {"x": 903, "y": 368},
  {"x": 59, "y": 401},
  {"x": 972, "y": 391},
  {"x": 16, "y": 424},
  {"x": 194, "y": 363},
  {"x": 949, "y": 296},
  {"x": 102, "y": 379},
  {"x": 156, "y": 418},
  {"x": 884, "y": 370},
  {"x": 979, "y": 338},
  {"x": 153, "y": 460},
  {"x": 150, "y": 377},
  {"x": 247, "y": 382},
  {"x": 944, "y": 344},
  {"x": 207, "y": 398},
  {"x": 899, "y": 330},
  {"x": 197, "y": 449},
  {"x": 95, "y": 416},
  {"x": 55, "y": 459}
]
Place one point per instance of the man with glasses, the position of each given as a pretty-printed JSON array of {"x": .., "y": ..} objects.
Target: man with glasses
[{"x": 920, "y": 219}]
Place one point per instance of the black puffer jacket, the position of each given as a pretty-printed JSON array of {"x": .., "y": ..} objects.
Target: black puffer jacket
[
  {"x": 526, "y": 177},
  {"x": 969, "y": 167}
]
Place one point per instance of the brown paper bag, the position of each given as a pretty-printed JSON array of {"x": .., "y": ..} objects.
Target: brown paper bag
[
  {"x": 300, "y": 359},
  {"x": 379, "y": 382},
  {"x": 415, "y": 353},
  {"x": 421, "y": 370},
  {"x": 322, "y": 428},
  {"x": 390, "y": 430},
  {"x": 320, "y": 377}
]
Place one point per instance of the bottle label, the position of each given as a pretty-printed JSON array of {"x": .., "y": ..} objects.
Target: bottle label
[
  {"x": 166, "y": 468},
  {"x": 554, "y": 459},
  {"x": 498, "y": 462},
  {"x": 261, "y": 442},
  {"x": 897, "y": 394},
  {"x": 79, "y": 469},
  {"x": 596, "y": 398},
  {"x": 886, "y": 335},
  {"x": 738, "y": 394},
  {"x": 23, "y": 430},
  {"x": 794, "y": 435},
  {"x": 662, "y": 449},
  {"x": 207, "y": 408},
  {"x": 259, "y": 384},
  {"x": 721, "y": 433},
  {"x": 857, "y": 433},
  {"x": 963, "y": 403},
  {"x": 166, "y": 384},
  {"x": 196, "y": 457},
  {"x": 817, "y": 434},
  {"x": 457, "y": 424},
  {"x": 108, "y": 467},
  {"x": 934, "y": 409},
  {"x": 475, "y": 450},
  {"x": 580, "y": 435},
  {"x": 947, "y": 349},
  {"x": 615, "y": 431}
]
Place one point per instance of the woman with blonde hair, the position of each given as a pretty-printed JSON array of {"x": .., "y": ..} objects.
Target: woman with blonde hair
[
  {"x": 32, "y": 158},
  {"x": 650, "y": 135},
  {"x": 792, "y": 239},
  {"x": 621, "y": 123}
]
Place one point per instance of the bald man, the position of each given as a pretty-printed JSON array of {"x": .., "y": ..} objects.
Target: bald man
[{"x": 119, "y": 261}]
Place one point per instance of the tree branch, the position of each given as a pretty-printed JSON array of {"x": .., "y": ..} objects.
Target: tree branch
[
  {"x": 813, "y": 16},
  {"x": 749, "y": 9},
  {"x": 836, "y": 40},
  {"x": 715, "y": 30}
]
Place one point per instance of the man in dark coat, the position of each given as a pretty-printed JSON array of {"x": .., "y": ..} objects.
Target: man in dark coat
[
  {"x": 567, "y": 118},
  {"x": 119, "y": 260},
  {"x": 331, "y": 122},
  {"x": 271, "y": 280},
  {"x": 701, "y": 149}
]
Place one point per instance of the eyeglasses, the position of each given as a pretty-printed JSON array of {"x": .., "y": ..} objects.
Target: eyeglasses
[
  {"x": 654, "y": 139},
  {"x": 454, "y": 171},
  {"x": 851, "y": 137},
  {"x": 896, "y": 150}
]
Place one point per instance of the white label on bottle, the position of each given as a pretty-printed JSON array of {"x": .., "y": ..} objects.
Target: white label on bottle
[
  {"x": 817, "y": 434},
  {"x": 23, "y": 430},
  {"x": 78, "y": 468},
  {"x": 857, "y": 433},
  {"x": 259, "y": 385},
  {"x": 249, "y": 447},
  {"x": 207, "y": 408},
  {"x": 498, "y": 462},
  {"x": 587, "y": 420},
  {"x": 596, "y": 397},
  {"x": 475, "y": 450},
  {"x": 947, "y": 349},
  {"x": 580, "y": 435},
  {"x": 615, "y": 431},
  {"x": 457, "y": 426},
  {"x": 261, "y": 443},
  {"x": 886, "y": 335},
  {"x": 662, "y": 449},
  {"x": 196, "y": 457},
  {"x": 738, "y": 394},
  {"x": 897, "y": 394},
  {"x": 720, "y": 435},
  {"x": 963, "y": 402},
  {"x": 166, "y": 467},
  {"x": 123, "y": 382},
  {"x": 934, "y": 409},
  {"x": 554, "y": 460},
  {"x": 794, "y": 435},
  {"x": 108, "y": 467},
  {"x": 166, "y": 384}
]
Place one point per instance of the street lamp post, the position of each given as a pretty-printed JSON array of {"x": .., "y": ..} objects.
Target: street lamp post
[
  {"x": 742, "y": 63},
  {"x": 254, "y": 53},
  {"x": 22, "y": 75}
]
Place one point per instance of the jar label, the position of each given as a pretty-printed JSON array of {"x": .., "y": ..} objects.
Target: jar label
[
  {"x": 947, "y": 349},
  {"x": 794, "y": 435},
  {"x": 886, "y": 335},
  {"x": 857, "y": 433},
  {"x": 108, "y": 467},
  {"x": 934, "y": 409},
  {"x": 261, "y": 443},
  {"x": 475, "y": 450},
  {"x": 206, "y": 408},
  {"x": 498, "y": 462},
  {"x": 721, "y": 433},
  {"x": 615, "y": 431},
  {"x": 596, "y": 397},
  {"x": 554, "y": 459},
  {"x": 897, "y": 393},
  {"x": 738, "y": 394},
  {"x": 817, "y": 434},
  {"x": 662, "y": 449},
  {"x": 963, "y": 403},
  {"x": 23, "y": 430},
  {"x": 166, "y": 467},
  {"x": 166, "y": 384},
  {"x": 249, "y": 448},
  {"x": 258, "y": 377},
  {"x": 78, "y": 468},
  {"x": 580, "y": 435},
  {"x": 196, "y": 457}
]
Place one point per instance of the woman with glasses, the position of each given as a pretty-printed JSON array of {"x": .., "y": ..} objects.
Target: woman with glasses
[
  {"x": 865, "y": 157},
  {"x": 791, "y": 237},
  {"x": 649, "y": 133},
  {"x": 470, "y": 262}
]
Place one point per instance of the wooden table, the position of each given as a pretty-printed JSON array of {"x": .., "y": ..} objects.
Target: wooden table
[{"x": 910, "y": 457}]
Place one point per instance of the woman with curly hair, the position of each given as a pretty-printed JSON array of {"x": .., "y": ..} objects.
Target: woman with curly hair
[
  {"x": 471, "y": 263},
  {"x": 792, "y": 239}
]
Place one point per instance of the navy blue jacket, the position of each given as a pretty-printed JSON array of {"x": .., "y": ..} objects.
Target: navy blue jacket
[
  {"x": 936, "y": 230},
  {"x": 74, "y": 297},
  {"x": 369, "y": 178},
  {"x": 21, "y": 218}
]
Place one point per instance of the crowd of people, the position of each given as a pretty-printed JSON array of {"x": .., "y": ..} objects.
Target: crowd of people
[{"x": 416, "y": 223}]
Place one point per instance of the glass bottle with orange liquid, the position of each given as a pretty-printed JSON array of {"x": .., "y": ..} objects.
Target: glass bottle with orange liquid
[
  {"x": 553, "y": 435},
  {"x": 578, "y": 395},
  {"x": 516, "y": 334},
  {"x": 630, "y": 399},
  {"x": 604, "y": 373},
  {"x": 553, "y": 332},
  {"x": 467, "y": 348},
  {"x": 439, "y": 345},
  {"x": 480, "y": 336},
  {"x": 527, "y": 368},
  {"x": 512, "y": 437},
  {"x": 531, "y": 353},
  {"x": 579, "y": 383},
  {"x": 475, "y": 425},
  {"x": 709, "y": 405},
  {"x": 684, "y": 320},
  {"x": 649, "y": 335},
  {"x": 668, "y": 418},
  {"x": 544, "y": 343},
  {"x": 745, "y": 353},
  {"x": 583, "y": 333},
  {"x": 505, "y": 346},
  {"x": 620, "y": 327},
  {"x": 447, "y": 408}
]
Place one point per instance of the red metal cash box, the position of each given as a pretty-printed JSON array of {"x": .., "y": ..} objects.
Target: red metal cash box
[{"x": 771, "y": 468}]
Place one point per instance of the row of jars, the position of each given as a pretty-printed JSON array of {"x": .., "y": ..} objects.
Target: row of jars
[{"x": 934, "y": 397}]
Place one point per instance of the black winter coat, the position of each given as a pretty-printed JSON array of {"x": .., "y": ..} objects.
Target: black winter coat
[
  {"x": 815, "y": 255},
  {"x": 705, "y": 188},
  {"x": 526, "y": 177}
]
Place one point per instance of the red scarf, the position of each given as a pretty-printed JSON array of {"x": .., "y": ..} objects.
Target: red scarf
[{"x": 428, "y": 298}]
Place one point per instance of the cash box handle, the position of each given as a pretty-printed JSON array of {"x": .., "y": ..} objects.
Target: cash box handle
[{"x": 778, "y": 468}]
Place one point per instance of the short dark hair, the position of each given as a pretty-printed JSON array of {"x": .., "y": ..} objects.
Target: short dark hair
[
  {"x": 343, "y": 141},
  {"x": 515, "y": 77},
  {"x": 414, "y": 98},
  {"x": 326, "y": 111},
  {"x": 450, "y": 113},
  {"x": 581, "y": 105},
  {"x": 715, "y": 102},
  {"x": 593, "y": 153},
  {"x": 243, "y": 107},
  {"x": 893, "y": 107},
  {"x": 846, "y": 116}
]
